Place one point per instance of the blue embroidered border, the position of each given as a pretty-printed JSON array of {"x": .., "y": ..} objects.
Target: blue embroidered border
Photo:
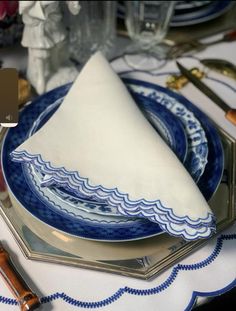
[
  {"x": 155, "y": 211},
  {"x": 145, "y": 292}
]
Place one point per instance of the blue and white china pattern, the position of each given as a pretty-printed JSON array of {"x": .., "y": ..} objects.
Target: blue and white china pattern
[
  {"x": 191, "y": 12},
  {"x": 72, "y": 227},
  {"x": 66, "y": 203},
  {"x": 162, "y": 119},
  {"x": 167, "y": 125},
  {"x": 63, "y": 206},
  {"x": 197, "y": 141},
  {"x": 28, "y": 198},
  {"x": 199, "y": 15},
  {"x": 155, "y": 211}
]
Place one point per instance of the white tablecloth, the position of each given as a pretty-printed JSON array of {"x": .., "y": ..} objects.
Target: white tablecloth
[{"x": 208, "y": 272}]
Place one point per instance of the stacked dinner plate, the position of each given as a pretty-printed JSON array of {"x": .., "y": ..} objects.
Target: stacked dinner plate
[
  {"x": 191, "y": 12},
  {"x": 186, "y": 130},
  {"x": 195, "y": 12}
]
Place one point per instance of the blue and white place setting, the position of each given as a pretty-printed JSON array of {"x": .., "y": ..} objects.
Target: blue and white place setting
[
  {"x": 62, "y": 217},
  {"x": 124, "y": 166},
  {"x": 117, "y": 187}
]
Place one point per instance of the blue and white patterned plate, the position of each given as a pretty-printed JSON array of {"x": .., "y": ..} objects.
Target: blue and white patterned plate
[
  {"x": 166, "y": 123},
  {"x": 90, "y": 226},
  {"x": 197, "y": 141},
  {"x": 191, "y": 12},
  {"x": 208, "y": 12},
  {"x": 211, "y": 176},
  {"x": 168, "y": 126},
  {"x": 114, "y": 229}
]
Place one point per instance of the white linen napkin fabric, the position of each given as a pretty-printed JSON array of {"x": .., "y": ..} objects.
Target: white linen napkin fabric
[{"x": 99, "y": 145}]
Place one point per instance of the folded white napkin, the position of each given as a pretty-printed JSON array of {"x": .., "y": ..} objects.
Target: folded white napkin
[{"x": 98, "y": 144}]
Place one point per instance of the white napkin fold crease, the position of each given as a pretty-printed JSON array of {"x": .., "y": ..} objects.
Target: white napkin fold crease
[{"x": 98, "y": 144}]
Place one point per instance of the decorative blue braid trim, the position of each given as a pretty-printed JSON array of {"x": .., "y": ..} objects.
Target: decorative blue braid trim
[
  {"x": 145, "y": 292},
  {"x": 154, "y": 211}
]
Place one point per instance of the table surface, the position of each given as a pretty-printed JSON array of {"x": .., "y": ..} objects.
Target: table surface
[{"x": 67, "y": 288}]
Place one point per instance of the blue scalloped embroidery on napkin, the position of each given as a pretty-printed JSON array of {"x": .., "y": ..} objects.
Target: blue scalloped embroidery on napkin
[
  {"x": 155, "y": 211},
  {"x": 145, "y": 292}
]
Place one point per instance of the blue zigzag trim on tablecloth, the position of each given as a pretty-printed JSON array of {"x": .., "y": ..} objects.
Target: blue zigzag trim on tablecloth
[
  {"x": 144, "y": 292},
  {"x": 155, "y": 211}
]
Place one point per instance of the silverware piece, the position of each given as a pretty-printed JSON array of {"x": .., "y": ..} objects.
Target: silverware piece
[
  {"x": 189, "y": 46},
  {"x": 26, "y": 299},
  {"x": 230, "y": 113},
  {"x": 220, "y": 65}
]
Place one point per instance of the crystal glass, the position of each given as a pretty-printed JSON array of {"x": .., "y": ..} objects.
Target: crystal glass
[
  {"x": 93, "y": 29},
  {"x": 147, "y": 23}
]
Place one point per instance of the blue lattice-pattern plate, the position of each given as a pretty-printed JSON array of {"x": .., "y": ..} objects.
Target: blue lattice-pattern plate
[{"x": 85, "y": 225}]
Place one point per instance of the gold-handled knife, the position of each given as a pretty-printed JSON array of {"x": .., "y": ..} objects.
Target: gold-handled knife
[
  {"x": 230, "y": 113},
  {"x": 26, "y": 299}
]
